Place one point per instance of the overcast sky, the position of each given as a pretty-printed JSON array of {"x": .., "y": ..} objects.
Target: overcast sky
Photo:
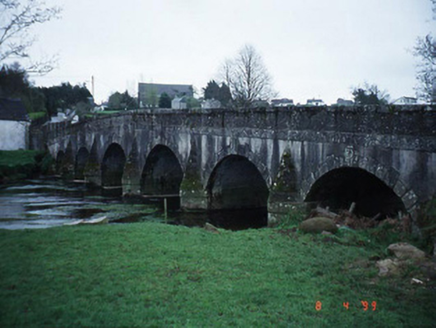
[{"x": 312, "y": 48}]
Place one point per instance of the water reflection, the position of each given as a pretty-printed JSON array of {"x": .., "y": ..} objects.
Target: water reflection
[{"x": 48, "y": 203}]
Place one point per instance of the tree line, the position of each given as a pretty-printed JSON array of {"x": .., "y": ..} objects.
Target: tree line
[{"x": 14, "y": 83}]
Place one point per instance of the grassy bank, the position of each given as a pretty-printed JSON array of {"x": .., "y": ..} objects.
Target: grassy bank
[
  {"x": 22, "y": 164},
  {"x": 106, "y": 112},
  {"x": 156, "y": 275},
  {"x": 37, "y": 115}
]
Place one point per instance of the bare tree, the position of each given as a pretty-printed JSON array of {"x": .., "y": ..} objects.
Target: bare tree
[
  {"x": 369, "y": 94},
  {"x": 434, "y": 8},
  {"x": 425, "y": 49},
  {"x": 16, "y": 20},
  {"x": 247, "y": 77}
]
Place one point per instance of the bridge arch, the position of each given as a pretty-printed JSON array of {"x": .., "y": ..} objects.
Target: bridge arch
[
  {"x": 342, "y": 186},
  {"x": 162, "y": 173},
  {"x": 112, "y": 166},
  {"x": 242, "y": 148},
  {"x": 388, "y": 176},
  {"x": 81, "y": 160},
  {"x": 236, "y": 183}
]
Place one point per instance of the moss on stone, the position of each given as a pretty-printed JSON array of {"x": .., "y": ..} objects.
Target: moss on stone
[
  {"x": 285, "y": 180},
  {"x": 191, "y": 183}
]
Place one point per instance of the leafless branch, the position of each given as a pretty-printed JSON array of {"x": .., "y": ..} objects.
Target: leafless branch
[
  {"x": 425, "y": 49},
  {"x": 16, "y": 20}
]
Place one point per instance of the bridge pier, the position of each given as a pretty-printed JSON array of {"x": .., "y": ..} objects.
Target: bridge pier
[
  {"x": 92, "y": 174},
  {"x": 67, "y": 166},
  {"x": 131, "y": 180},
  {"x": 192, "y": 193},
  {"x": 92, "y": 171},
  {"x": 132, "y": 174},
  {"x": 193, "y": 199}
]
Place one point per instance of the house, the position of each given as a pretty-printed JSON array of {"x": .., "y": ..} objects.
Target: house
[
  {"x": 179, "y": 103},
  {"x": 259, "y": 104},
  {"x": 100, "y": 108},
  {"x": 344, "y": 102},
  {"x": 149, "y": 93},
  {"x": 314, "y": 102},
  {"x": 210, "y": 104},
  {"x": 405, "y": 101},
  {"x": 14, "y": 124},
  {"x": 69, "y": 115},
  {"x": 60, "y": 117},
  {"x": 284, "y": 102}
]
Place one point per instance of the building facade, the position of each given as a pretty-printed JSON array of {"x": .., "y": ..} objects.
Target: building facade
[{"x": 14, "y": 125}]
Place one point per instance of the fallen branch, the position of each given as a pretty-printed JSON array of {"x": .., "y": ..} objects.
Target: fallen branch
[{"x": 319, "y": 211}]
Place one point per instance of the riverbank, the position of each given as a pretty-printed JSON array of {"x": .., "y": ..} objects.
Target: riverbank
[
  {"x": 155, "y": 275},
  {"x": 16, "y": 165}
]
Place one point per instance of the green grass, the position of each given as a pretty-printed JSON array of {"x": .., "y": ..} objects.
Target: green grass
[
  {"x": 17, "y": 164},
  {"x": 18, "y": 157},
  {"x": 157, "y": 275},
  {"x": 427, "y": 222},
  {"x": 108, "y": 112},
  {"x": 22, "y": 164},
  {"x": 36, "y": 115}
]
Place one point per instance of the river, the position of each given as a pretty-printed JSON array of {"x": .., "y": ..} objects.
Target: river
[{"x": 44, "y": 203}]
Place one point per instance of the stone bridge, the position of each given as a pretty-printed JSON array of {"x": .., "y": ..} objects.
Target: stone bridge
[{"x": 381, "y": 158}]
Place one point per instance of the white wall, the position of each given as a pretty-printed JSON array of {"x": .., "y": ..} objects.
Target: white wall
[{"x": 13, "y": 135}]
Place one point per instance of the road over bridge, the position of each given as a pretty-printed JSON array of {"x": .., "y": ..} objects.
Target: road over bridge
[{"x": 382, "y": 158}]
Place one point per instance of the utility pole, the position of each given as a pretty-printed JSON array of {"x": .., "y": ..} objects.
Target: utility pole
[{"x": 93, "y": 94}]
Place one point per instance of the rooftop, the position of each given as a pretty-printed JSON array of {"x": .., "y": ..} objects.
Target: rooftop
[
  {"x": 12, "y": 110},
  {"x": 171, "y": 89}
]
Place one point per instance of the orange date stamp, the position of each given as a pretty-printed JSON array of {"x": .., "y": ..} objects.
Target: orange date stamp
[{"x": 365, "y": 305}]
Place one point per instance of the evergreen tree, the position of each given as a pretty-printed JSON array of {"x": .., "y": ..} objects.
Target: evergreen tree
[
  {"x": 64, "y": 96},
  {"x": 212, "y": 90},
  {"x": 14, "y": 83},
  {"x": 127, "y": 101},
  {"x": 115, "y": 100},
  {"x": 225, "y": 95},
  {"x": 164, "y": 101}
]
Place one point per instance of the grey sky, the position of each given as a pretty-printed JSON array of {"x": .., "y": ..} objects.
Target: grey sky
[{"x": 312, "y": 48}]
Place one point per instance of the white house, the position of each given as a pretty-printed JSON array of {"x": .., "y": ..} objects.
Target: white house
[
  {"x": 315, "y": 102},
  {"x": 14, "y": 125},
  {"x": 284, "y": 102},
  {"x": 210, "y": 104},
  {"x": 149, "y": 93},
  {"x": 60, "y": 117},
  {"x": 405, "y": 101},
  {"x": 179, "y": 103}
]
